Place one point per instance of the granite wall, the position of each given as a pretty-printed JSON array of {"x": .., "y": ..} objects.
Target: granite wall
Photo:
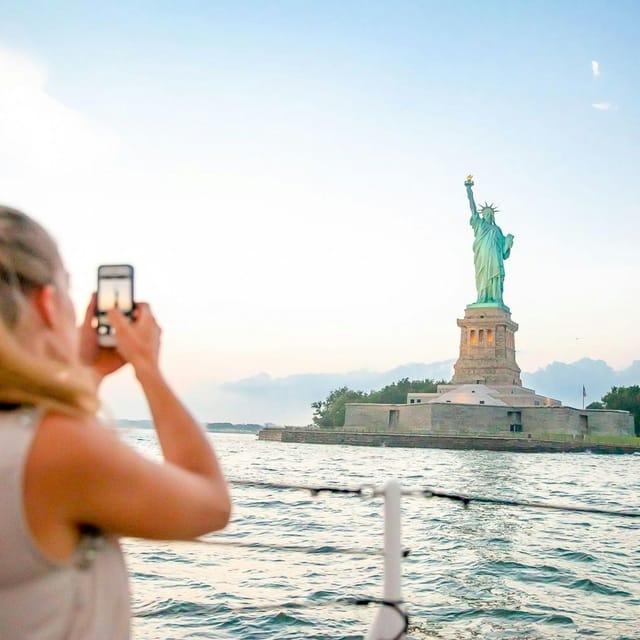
[{"x": 460, "y": 419}]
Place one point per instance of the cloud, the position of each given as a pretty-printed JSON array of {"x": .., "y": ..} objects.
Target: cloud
[
  {"x": 38, "y": 133},
  {"x": 564, "y": 381},
  {"x": 595, "y": 68},
  {"x": 287, "y": 400},
  {"x": 603, "y": 106}
]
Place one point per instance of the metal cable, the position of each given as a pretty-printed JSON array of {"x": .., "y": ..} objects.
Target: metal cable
[
  {"x": 369, "y": 491},
  {"x": 363, "y": 490},
  {"x": 466, "y": 500}
]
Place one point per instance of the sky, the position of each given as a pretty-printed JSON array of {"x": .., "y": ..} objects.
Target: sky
[{"x": 287, "y": 179}]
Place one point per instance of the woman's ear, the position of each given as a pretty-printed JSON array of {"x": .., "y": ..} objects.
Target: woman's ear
[{"x": 45, "y": 304}]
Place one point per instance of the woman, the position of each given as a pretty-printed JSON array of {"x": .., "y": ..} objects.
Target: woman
[{"x": 68, "y": 486}]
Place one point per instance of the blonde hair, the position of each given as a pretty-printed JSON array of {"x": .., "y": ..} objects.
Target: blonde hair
[{"x": 29, "y": 259}]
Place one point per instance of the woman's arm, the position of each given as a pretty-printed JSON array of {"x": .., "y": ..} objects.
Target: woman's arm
[
  {"x": 78, "y": 472},
  {"x": 183, "y": 441}
]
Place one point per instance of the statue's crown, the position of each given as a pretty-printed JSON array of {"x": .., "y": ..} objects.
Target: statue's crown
[{"x": 491, "y": 207}]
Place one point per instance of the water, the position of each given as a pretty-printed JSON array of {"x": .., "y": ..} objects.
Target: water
[{"x": 482, "y": 572}]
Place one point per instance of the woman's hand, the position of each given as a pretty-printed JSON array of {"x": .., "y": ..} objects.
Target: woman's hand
[
  {"x": 102, "y": 360},
  {"x": 138, "y": 342}
]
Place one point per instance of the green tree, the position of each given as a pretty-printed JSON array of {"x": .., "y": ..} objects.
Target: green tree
[
  {"x": 331, "y": 411},
  {"x": 595, "y": 405},
  {"x": 396, "y": 393},
  {"x": 627, "y": 399}
]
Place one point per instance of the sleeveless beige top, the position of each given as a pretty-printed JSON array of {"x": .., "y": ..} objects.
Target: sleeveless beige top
[{"x": 86, "y": 598}]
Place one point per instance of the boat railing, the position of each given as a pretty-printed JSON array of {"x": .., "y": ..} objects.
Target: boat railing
[{"x": 391, "y": 620}]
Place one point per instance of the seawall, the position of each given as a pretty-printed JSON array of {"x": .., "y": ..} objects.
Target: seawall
[{"x": 412, "y": 440}]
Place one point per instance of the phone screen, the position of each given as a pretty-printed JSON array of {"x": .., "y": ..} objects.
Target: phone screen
[{"x": 115, "y": 291}]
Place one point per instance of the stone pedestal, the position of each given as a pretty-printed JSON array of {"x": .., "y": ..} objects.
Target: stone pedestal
[{"x": 487, "y": 347}]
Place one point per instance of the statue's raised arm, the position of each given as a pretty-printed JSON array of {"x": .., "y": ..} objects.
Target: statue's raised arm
[{"x": 472, "y": 203}]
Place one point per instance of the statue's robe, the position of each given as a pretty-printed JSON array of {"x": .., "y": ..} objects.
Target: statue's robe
[{"x": 490, "y": 250}]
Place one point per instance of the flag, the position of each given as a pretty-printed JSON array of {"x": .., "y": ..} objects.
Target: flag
[{"x": 584, "y": 392}]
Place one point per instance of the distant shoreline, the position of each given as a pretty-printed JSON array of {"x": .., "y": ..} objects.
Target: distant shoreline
[
  {"x": 218, "y": 427},
  {"x": 214, "y": 427}
]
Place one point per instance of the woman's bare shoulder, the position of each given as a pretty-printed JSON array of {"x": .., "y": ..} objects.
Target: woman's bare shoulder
[
  {"x": 92, "y": 476},
  {"x": 66, "y": 441}
]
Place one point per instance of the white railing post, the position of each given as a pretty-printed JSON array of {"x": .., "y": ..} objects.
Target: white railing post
[{"x": 388, "y": 623}]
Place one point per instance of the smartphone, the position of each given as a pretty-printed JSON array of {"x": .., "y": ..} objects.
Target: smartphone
[{"x": 115, "y": 291}]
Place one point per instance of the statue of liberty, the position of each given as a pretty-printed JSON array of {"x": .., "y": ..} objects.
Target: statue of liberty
[{"x": 490, "y": 250}]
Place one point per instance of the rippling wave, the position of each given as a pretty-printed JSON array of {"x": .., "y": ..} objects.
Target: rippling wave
[{"x": 482, "y": 572}]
